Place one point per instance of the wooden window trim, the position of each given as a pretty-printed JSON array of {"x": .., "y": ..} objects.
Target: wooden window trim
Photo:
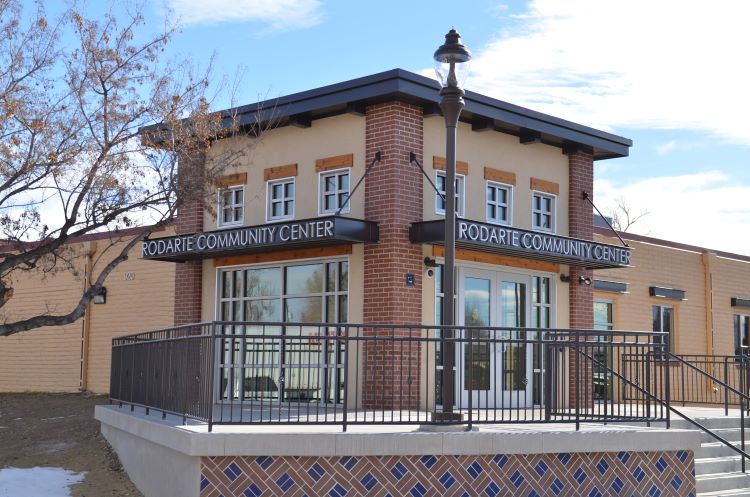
[
  {"x": 228, "y": 180},
  {"x": 498, "y": 259},
  {"x": 500, "y": 176},
  {"x": 283, "y": 255},
  {"x": 279, "y": 172},
  {"x": 335, "y": 162},
  {"x": 439, "y": 163},
  {"x": 545, "y": 186}
]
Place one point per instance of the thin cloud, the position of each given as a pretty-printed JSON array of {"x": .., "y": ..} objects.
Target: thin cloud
[
  {"x": 278, "y": 15},
  {"x": 707, "y": 209},
  {"x": 671, "y": 64}
]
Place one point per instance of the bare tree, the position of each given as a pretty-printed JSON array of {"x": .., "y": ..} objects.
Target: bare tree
[
  {"x": 623, "y": 216},
  {"x": 74, "y": 158}
]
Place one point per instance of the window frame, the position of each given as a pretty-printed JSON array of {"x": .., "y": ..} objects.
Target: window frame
[
  {"x": 553, "y": 213},
  {"x": 321, "y": 200},
  {"x": 671, "y": 332},
  {"x": 509, "y": 204},
  {"x": 460, "y": 194},
  {"x": 737, "y": 321},
  {"x": 269, "y": 198},
  {"x": 220, "y": 215}
]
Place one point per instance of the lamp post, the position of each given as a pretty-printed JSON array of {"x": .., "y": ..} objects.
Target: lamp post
[{"x": 451, "y": 67}]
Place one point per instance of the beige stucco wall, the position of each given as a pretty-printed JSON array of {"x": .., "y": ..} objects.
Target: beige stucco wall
[
  {"x": 498, "y": 151},
  {"x": 730, "y": 278},
  {"x": 339, "y": 135},
  {"x": 65, "y": 359}
]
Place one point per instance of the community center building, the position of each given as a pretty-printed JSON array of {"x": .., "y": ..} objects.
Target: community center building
[{"x": 336, "y": 220}]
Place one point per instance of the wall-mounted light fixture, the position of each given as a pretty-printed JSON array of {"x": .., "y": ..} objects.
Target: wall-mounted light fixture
[
  {"x": 565, "y": 278},
  {"x": 430, "y": 262},
  {"x": 666, "y": 293},
  {"x": 101, "y": 297},
  {"x": 584, "y": 280}
]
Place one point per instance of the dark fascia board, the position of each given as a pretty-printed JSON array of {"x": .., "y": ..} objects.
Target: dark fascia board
[
  {"x": 419, "y": 90},
  {"x": 738, "y": 302},
  {"x": 666, "y": 293}
]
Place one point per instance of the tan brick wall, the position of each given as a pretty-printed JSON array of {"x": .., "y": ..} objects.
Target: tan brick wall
[
  {"x": 730, "y": 278},
  {"x": 51, "y": 359},
  {"x": 655, "y": 265}
]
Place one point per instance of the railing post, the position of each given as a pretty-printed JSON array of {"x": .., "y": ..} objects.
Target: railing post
[
  {"x": 577, "y": 380},
  {"x": 668, "y": 389},
  {"x": 742, "y": 422},
  {"x": 726, "y": 384},
  {"x": 213, "y": 366},
  {"x": 547, "y": 379},
  {"x": 346, "y": 379},
  {"x": 471, "y": 375},
  {"x": 647, "y": 386}
]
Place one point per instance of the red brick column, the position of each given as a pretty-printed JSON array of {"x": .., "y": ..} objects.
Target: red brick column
[
  {"x": 581, "y": 225},
  {"x": 393, "y": 198},
  {"x": 189, "y": 219}
]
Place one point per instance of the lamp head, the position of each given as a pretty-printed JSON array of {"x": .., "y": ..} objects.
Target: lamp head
[{"x": 451, "y": 61}]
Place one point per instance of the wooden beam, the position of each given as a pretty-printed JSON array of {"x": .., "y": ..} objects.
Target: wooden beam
[
  {"x": 300, "y": 120},
  {"x": 543, "y": 185},
  {"x": 439, "y": 163},
  {"x": 499, "y": 260},
  {"x": 283, "y": 255},
  {"x": 527, "y": 137},
  {"x": 231, "y": 180},
  {"x": 356, "y": 108},
  {"x": 335, "y": 162},
  {"x": 500, "y": 176},
  {"x": 482, "y": 124},
  {"x": 279, "y": 172}
]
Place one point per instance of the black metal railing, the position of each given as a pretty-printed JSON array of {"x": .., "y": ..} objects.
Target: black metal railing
[
  {"x": 301, "y": 373},
  {"x": 703, "y": 380}
]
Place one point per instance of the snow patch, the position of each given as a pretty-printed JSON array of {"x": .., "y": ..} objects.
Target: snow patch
[{"x": 39, "y": 482}]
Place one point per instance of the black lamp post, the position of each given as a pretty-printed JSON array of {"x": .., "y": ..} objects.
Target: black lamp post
[{"x": 451, "y": 67}]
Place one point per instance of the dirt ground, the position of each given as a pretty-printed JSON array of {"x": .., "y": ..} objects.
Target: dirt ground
[{"x": 60, "y": 431}]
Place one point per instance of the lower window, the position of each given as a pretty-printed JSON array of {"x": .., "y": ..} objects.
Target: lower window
[
  {"x": 741, "y": 334},
  {"x": 259, "y": 304},
  {"x": 663, "y": 320}
]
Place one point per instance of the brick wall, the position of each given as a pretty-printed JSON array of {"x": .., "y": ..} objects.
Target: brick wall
[
  {"x": 189, "y": 219},
  {"x": 393, "y": 198},
  {"x": 581, "y": 225}
]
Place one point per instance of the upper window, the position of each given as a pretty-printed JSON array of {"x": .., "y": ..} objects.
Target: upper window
[
  {"x": 499, "y": 203},
  {"x": 741, "y": 334},
  {"x": 280, "y": 199},
  {"x": 231, "y": 206},
  {"x": 543, "y": 211},
  {"x": 334, "y": 191},
  {"x": 440, "y": 203},
  {"x": 663, "y": 320}
]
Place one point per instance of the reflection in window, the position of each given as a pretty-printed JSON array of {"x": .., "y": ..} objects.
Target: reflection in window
[
  {"x": 310, "y": 365},
  {"x": 477, "y": 365},
  {"x": 513, "y": 308},
  {"x": 603, "y": 359}
]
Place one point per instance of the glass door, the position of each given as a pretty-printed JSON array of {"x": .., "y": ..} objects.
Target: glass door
[{"x": 495, "y": 374}]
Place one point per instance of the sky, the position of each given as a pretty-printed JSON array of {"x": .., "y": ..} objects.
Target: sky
[{"x": 672, "y": 75}]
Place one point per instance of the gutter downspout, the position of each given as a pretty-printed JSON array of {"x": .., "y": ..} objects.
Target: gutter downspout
[
  {"x": 86, "y": 324},
  {"x": 708, "y": 266}
]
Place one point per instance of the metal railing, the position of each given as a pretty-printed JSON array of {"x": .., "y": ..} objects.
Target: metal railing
[{"x": 346, "y": 374}]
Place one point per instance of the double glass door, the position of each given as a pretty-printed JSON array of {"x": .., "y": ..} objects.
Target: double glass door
[{"x": 495, "y": 373}]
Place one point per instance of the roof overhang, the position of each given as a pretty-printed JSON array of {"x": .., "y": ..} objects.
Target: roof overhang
[
  {"x": 482, "y": 112},
  {"x": 307, "y": 233},
  {"x": 506, "y": 240}
]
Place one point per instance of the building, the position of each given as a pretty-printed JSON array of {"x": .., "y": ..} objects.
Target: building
[{"x": 336, "y": 221}]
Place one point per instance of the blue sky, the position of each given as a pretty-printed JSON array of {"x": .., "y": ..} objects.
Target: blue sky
[{"x": 671, "y": 75}]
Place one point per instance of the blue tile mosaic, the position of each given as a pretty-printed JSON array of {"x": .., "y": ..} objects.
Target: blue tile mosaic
[
  {"x": 602, "y": 466},
  {"x": 682, "y": 455},
  {"x": 368, "y": 481},
  {"x": 285, "y": 482},
  {"x": 516, "y": 479},
  {"x": 337, "y": 491},
  {"x": 661, "y": 465},
  {"x": 316, "y": 472},
  {"x": 654, "y": 492},
  {"x": 428, "y": 461},
  {"x": 676, "y": 482},
  {"x": 232, "y": 471},
  {"x": 418, "y": 490},
  {"x": 264, "y": 461},
  {"x": 557, "y": 486},
  {"x": 447, "y": 480},
  {"x": 639, "y": 474},
  {"x": 541, "y": 468},
  {"x": 348, "y": 462},
  {"x": 580, "y": 475},
  {"x": 492, "y": 490},
  {"x": 618, "y": 485},
  {"x": 564, "y": 458},
  {"x": 399, "y": 470},
  {"x": 595, "y": 492},
  {"x": 204, "y": 482},
  {"x": 501, "y": 461},
  {"x": 252, "y": 491},
  {"x": 474, "y": 469}
]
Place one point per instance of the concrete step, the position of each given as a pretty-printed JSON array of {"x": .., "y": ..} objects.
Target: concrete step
[
  {"x": 738, "y": 492},
  {"x": 710, "y": 423},
  {"x": 724, "y": 464},
  {"x": 718, "y": 449},
  {"x": 715, "y": 482},
  {"x": 726, "y": 434}
]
